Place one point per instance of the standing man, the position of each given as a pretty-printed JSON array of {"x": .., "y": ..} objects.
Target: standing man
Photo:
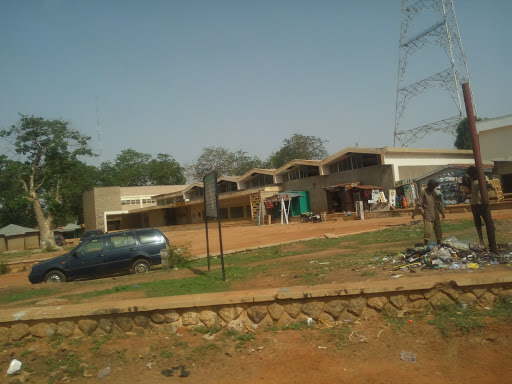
[
  {"x": 431, "y": 208},
  {"x": 479, "y": 211}
]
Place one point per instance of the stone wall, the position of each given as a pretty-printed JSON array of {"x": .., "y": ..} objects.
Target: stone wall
[{"x": 243, "y": 311}]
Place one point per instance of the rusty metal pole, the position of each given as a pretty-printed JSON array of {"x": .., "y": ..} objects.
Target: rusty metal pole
[
  {"x": 476, "y": 143},
  {"x": 479, "y": 167}
]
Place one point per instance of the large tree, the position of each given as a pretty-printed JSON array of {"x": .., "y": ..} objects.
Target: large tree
[
  {"x": 463, "y": 139},
  {"x": 47, "y": 152},
  {"x": 131, "y": 168},
  {"x": 14, "y": 207},
  {"x": 298, "y": 147},
  {"x": 224, "y": 161}
]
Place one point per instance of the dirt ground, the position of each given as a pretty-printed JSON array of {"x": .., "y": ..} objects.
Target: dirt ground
[{"x": 366, "y": 351}]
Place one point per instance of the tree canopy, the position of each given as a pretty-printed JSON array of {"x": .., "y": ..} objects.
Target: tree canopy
[
  {"x": 463, "y": 139},
  {"x": 131, "y": 168},
  {"x": 224, "y": 161},
  {"x": 47, "y": 155},
  {"x": 298, "y": 147}
]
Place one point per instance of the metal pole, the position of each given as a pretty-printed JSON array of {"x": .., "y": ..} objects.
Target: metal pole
[{"x": 478, "y": 164}]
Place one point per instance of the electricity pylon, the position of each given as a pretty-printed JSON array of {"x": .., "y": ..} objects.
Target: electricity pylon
[{"x": 444, "y": 33}]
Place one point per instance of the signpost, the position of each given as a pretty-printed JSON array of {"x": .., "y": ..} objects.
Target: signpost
[{"x": 211, "y": 208}]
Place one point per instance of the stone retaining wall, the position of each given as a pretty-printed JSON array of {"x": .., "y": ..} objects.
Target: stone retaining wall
[{"x": 243, "y": 311}]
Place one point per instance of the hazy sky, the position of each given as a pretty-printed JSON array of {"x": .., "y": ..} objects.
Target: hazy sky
[{"x": 177, "y": 76}]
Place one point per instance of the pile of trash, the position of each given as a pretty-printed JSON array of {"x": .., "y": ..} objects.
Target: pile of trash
[{"x": 452, "y": 254}]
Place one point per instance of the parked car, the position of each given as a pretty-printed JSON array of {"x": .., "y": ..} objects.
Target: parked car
[
  {"x": 134, "y": 251},
  {"x": 59, "y": 239},
  {"x": 90, "y": 233}
]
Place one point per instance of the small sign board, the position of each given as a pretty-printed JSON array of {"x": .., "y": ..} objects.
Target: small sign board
[
  {"x": 210, "y": 194},
  {"x": 399, "y": 183}
]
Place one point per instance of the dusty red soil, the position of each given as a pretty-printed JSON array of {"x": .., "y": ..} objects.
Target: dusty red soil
[{"x": 367, "y": 351}]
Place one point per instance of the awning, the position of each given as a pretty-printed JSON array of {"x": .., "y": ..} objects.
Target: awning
[
  {"x": 283, "y": 196},
  {"x": 366, "y": 187},
  {"x": 342, "y": 187}
]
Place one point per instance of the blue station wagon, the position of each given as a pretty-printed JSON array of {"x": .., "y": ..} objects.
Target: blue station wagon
[{"x": 134, "y": 251}]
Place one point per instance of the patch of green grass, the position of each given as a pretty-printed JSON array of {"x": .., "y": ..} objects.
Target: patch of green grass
[
  {"x": 25, "y": 353},
  {"x": 240, "y": 338},
  {"x": 26, "y": 294},
  {"x": 74, "y": 367},
  {"x": 99, "y": 342},
  {"x": 4, "y": 269},
  {"x": 451, "y": 317},
  {"x": 180, "y": 344},
  {"x": 368, "y": 273},
  {"x": 297, "y": 326},
  {"x": 166, "y": 354},
  {"x": 205, "y": 349},
  {"x": 394, "y": 322},
  {"x": 338, "y": 336},
  {"x": 55, "y": 340}
]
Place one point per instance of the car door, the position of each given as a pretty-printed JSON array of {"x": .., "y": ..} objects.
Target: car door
[
  {"x": 87, "y": 259},
  {"x": 120, "y": 249},
  {"x": 151, "y": 242}
]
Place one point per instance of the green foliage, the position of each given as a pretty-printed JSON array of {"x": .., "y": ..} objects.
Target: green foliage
[
  {"x": 99, "y": 342},
  {"x": 205, "y": 349},
  {"x": 463, "y": 139},
  {"x": 20, "y": 294},
  {"x": 451, "y": 317},
  {"x": 47, "y": 154},
  {"x": 166, "y": 354},
  {"x": 4, "y": 269},
  {"x": 298, "y": 147},
  {"x": 132, "y": 168},
  {"x": 178, "y": 256},
  {"x": 225, "y": 162},
  {"x": 240, "y": 338}
]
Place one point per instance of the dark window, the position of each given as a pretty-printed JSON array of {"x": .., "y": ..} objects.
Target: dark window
[{"x": 237, "y": 212}]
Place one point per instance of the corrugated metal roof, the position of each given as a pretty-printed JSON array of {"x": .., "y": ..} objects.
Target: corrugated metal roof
[{"x": 15, "y": 230}]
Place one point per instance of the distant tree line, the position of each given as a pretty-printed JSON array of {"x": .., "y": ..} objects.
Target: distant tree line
[{"x": 43, "y": 172}]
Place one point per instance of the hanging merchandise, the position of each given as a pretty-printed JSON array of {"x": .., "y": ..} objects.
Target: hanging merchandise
[
  {"x": 269, "y": 204},
  {"x": 392, "y": 197}
]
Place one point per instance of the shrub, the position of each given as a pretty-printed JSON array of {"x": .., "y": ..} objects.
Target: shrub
[
  {"x": 178, "y": 256},
  {"x": 4, "y": 268}
]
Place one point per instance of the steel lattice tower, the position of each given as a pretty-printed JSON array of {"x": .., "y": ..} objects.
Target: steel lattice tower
[{"x": 444, "y": 33}]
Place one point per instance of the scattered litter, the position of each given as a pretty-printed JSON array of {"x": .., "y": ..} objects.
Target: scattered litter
[
  {"x": 378, "y": 334},
  {"x": 396, "y": 276},
  {"x": 320, "y": 347},
  {"x": 315, "y": 261},
  {"x": 170, "y": 372},
  {"x": 359, "y": 338},
  {"x": 327, "y": 323},
  {"x": 450, "y": 254},
  {"x": 167, "y": 372},
  {"x": 408, "y": 357},
  {"x": 488, "y": 308},
  {"x": 104, "y": 373},
  {"x": 347, "y": 321},
  {"x": 14, "y": 367},
  {"x": 309, "y": 320},
  {"x": 260, "y": 348},
  {"x": 209, "y": 336}
]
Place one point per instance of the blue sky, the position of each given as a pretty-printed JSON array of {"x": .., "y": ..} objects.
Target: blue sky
[{"x": 177, "y": 76}]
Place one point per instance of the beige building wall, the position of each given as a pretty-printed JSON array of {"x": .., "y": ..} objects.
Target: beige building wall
[{"x": 96, "y": 202}]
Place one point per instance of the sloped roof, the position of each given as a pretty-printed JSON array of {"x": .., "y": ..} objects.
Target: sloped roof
[
  {"x": 69, "y": 227},
  {"x": 15, "y": 230}
]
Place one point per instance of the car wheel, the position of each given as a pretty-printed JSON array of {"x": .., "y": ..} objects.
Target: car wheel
[
  {"x": 141, "y": 266},
  {"x": 55, "y": 277}
]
